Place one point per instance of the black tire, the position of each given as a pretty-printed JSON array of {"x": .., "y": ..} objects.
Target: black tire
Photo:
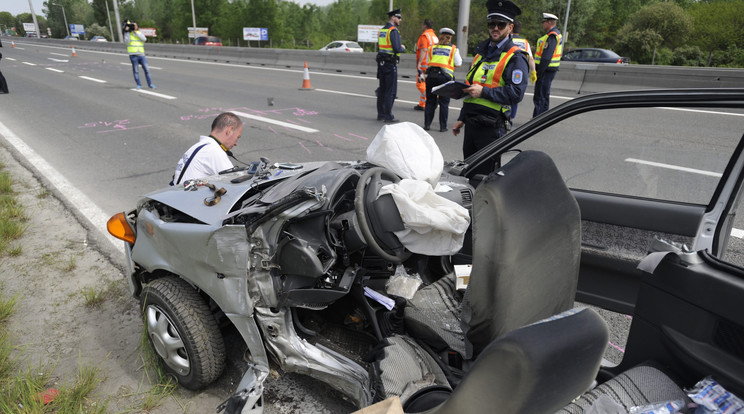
[{"x": 183, "y": 332}]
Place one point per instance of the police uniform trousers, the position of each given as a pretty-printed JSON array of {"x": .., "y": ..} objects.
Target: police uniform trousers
[
  {"x": 3, "y": 84},
  {"x": 387, "y": 73},
  {"x": 480, "y": 130},
  {"x": 542, "y": 92},
  {"x": 434, "y": 78}
]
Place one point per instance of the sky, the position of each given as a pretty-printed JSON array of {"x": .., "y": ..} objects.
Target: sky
[{"x": 16, "y": 7}]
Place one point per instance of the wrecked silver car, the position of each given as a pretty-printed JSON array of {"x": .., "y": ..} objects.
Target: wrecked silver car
[{"x": 403, "y": 277}]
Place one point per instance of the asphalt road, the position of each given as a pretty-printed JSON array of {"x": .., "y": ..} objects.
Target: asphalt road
[{"x": 105, "y": 144}]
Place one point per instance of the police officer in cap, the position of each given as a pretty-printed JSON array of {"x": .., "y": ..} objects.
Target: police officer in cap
[
  {"x": 547, "y": 60},
  {"x": 498, "y": 80},
  {"x": 387, "y": 66}
]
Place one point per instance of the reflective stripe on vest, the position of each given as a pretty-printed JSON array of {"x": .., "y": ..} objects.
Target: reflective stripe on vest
[
  {"x": 489, "y": 75},
  {"x": 432, "y": 41},
  {"x": 443, "y": 56},
  {"x": 383, "y": 40},
  {"x": 135, "y": 45},
  {"x": 521, "y": 42},
  {"x": 555, "y": 60}
]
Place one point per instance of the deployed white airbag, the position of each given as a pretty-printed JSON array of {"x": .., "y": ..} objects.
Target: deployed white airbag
[
  {"x": 407, "y": 150},
  {"x": 433, "y": 224}
]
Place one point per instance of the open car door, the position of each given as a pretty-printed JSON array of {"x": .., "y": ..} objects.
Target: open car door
[{"x": 656, "y": 171}]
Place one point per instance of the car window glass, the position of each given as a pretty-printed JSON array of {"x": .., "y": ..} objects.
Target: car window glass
[{"x": 658, "y": 153}]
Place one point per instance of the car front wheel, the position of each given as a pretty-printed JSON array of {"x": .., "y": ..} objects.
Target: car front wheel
[{"x": 183, "y": 332}]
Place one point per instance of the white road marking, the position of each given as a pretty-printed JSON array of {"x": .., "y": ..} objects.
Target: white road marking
[
  {"x": 738, "y": 233},
  {"x": 55, "y": 70},
  {"x": 700, "y": 111},
  {"x": 29, "y": 63},
  {"x": 59, "y": 54},
  {"x": 92, "y": 79},
  {"x": 674, "y": 167},
  {"x": 74, "y": 196},
  {"x": 275, "y": 122},
  {"x": 12, "y": 59},
  {"x": 159, "y": 95},
  {"x": 59, "y": 60}
]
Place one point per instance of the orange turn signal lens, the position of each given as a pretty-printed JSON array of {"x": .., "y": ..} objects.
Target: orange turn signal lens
[{"x": 120, "y": 228}]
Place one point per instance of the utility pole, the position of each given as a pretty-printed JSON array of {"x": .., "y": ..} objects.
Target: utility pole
[
  {"x": 108, "y": 14},
  {"x": 118, "y": 22},
  {"x": 193, "y": 18},
  {"x": 565, "y": 24},
  {"x": 33, "y": 16},
  {"x": 64, "y": 16},
  {"x": 462, "y": 27}
]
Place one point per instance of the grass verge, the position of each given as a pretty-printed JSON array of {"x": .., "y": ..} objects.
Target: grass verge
[
  {"x": 12, "y": 219},
  {"x": 29, "y": 389}
]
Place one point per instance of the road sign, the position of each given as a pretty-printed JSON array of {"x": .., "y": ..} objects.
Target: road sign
[
  {"x": 78, "y": 29},
  {"x": 255, "y": 33},
  {"x": 367, "y": 33}
]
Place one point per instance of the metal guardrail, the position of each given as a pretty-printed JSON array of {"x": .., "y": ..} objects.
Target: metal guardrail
[{"x": 581, "y": 78}]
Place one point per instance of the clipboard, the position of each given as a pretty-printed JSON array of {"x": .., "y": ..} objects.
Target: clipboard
[{"x": 451, "y": 89}]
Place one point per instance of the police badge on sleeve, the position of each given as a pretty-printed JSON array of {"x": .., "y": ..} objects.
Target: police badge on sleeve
[{"x": 517, "y": 76}]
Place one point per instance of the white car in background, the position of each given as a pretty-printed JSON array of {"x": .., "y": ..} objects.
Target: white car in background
[{"x": 342, "y": 46}]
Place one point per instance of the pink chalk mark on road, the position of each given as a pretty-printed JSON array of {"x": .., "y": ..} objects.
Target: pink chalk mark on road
[
  {"x": 358, "y": 136},
  {"x": 339, "y": 136},
  {"x": 320, "y": 144},
  {"x": 273, "y": 130},
  {"x": 124, "y": 128},
  {"x": 304, "y": 147}
]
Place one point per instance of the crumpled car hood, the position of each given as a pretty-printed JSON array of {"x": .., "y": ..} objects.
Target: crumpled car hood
[{"x": 193, "y": 204}]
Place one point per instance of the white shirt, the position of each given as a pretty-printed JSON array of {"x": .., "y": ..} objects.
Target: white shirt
[
  {"x": 210, "y": 160},
  {"x": 458, "y": 59}
]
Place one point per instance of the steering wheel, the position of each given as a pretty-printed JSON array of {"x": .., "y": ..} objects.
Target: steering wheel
[{"x": 366, "y": 192}]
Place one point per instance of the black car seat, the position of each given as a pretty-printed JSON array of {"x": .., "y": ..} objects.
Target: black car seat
[
  {"x": 534, "y": 369},
  {"x": 638, "y": 386},
  {"x": 526, "y": 251}
]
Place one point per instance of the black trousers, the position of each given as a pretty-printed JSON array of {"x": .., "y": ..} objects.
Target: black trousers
[
  {"x": 387, "y": 73},
  {"x": 3, "y": 84},
  {"x": 434, "y": 79},
  {"x": 478, "y": 134}
]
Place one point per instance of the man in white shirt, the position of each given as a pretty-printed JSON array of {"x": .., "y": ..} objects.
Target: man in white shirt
[{"x": 209, "y": 156}]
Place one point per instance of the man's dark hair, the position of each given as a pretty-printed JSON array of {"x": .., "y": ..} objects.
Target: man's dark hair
[
  {"x": 428, "y": 23},
  {"x": 517, "y": 27},
  {"x": 225, "y": 120}
]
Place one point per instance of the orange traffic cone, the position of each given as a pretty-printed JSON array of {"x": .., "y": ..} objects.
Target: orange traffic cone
[
  {"x": 12, "y": 43},
  {"x": 74, "y": 54},
  {"x": 306, "y": 79}
]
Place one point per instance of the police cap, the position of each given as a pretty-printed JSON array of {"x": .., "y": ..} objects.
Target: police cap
[
  {"x": 549, "y": 16},
  {"x": 447, "y": 30},
  {"x": 503, "y": 10},
  {"x": 395, "y": 13}
]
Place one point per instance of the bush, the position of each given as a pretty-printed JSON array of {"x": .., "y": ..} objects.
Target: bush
[{"x": 687, "y": 56}]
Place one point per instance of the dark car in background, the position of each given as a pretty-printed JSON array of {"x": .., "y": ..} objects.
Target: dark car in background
[
  {"x": 208, "y": 41},
  {"x": 594, "y": 55}
]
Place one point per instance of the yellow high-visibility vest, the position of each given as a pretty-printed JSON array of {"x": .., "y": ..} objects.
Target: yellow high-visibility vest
[
  {"x": 443, "y": 56},
  {"x": 555, "y": 60},
  {"x": 489, "y": 75}
]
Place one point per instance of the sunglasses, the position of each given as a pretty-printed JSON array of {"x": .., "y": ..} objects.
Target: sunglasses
[{"x": 500, "y": 24}]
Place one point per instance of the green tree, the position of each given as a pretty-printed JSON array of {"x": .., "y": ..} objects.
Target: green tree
[
  {"x": 719, "y": 25},
  {"x": 658, "y": 25}
]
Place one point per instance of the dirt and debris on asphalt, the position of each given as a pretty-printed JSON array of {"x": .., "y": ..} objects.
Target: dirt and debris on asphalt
[{"x": 58, "y": 263}]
